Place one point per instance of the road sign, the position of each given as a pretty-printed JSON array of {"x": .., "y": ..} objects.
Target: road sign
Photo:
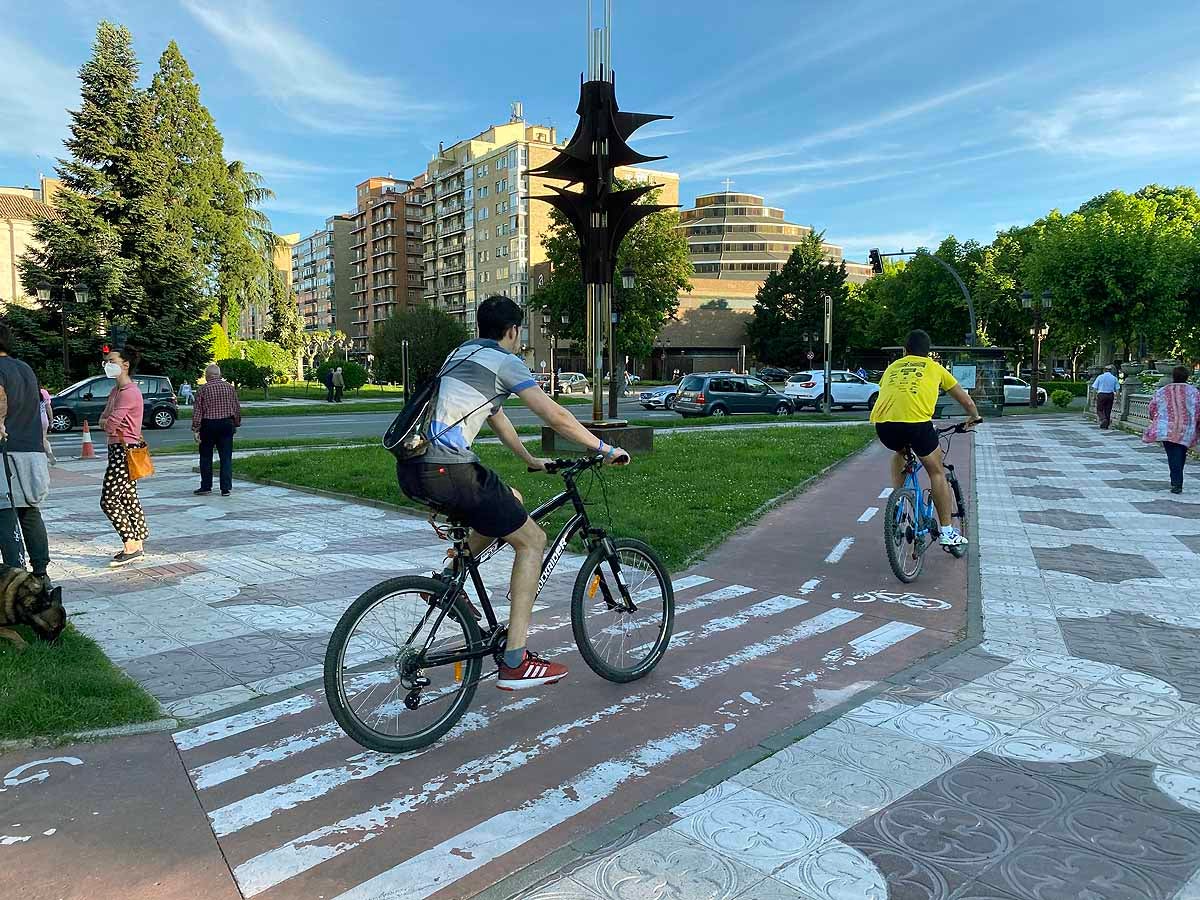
[
  {"x": 543, "y": 365},
  {"x": 811, "y": 356}
]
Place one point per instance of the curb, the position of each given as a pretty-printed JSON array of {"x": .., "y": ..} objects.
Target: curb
[
  {"x": 97, "y": 734},
  {"x": 590, "y": 843}
]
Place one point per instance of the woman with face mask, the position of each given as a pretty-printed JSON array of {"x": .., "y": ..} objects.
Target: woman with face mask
[{"x": 122, "y": 422}]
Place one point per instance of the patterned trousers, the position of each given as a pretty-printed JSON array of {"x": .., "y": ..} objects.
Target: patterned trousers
[{"x": 119, "y": 496}]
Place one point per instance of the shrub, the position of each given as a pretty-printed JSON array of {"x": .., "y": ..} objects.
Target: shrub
[
  {"x": 354, "y": 374},
  {"x": 242, "y": 373},
  {"x": 1076, "y": 388},
  {"x": 1062, "y": 399},
  {"x": 221, "y": 348},
  {"x": 431, "y": 335}
]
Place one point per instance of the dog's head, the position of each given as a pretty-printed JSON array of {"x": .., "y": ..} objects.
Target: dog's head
[{"x": 43, "y": 611}]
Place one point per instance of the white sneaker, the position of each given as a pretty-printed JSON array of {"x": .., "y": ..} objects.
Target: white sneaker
[{"x": 953, "y": 539}]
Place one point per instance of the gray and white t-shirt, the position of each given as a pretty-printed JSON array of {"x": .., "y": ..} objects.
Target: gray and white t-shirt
[{"x": 476, "y": 380}]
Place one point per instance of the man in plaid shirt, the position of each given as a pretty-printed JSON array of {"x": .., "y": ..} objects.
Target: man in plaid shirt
[{"x": 215, "y": 417}]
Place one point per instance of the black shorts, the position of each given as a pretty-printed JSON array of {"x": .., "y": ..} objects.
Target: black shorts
[
  {"x": 921, "y": 436},
  {"x": 465, "y": 492}
]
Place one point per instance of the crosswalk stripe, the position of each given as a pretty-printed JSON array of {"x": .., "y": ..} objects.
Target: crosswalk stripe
[
  {"x": 869, "y": 514},
  {"x": 428, "y": 872},
  {"x": 191, "y": 738},
  {"x": 302, "y": 853},
  {"x": 435, "y": 869}
]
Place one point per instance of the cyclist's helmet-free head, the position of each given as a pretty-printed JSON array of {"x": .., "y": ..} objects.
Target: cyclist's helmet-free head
[
  {"x": 917, "y": 343},
  {"x": 497, "y": 317}
]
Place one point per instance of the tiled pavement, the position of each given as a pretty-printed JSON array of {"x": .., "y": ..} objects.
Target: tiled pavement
[
  {"x": 237, "y": 595},
  {"x": 1060, "y": 758}
]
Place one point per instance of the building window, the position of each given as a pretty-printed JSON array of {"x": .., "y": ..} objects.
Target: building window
[
  {"x": 482, "y": 191},
  {"x": 483, "y": 213},
  {"x": 481, "y": 171},
  {"x": 501, "y": 185},
  {"x": 501, "y": 162}
]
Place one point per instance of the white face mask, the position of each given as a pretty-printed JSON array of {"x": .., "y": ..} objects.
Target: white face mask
[{"x": 112, "y": 369}]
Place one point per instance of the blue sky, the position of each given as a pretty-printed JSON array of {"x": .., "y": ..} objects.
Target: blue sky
[{"x": 883, "y": 130}]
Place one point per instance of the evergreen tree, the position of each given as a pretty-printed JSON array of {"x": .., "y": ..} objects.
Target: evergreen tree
[
  {"x": 792, "y": 302},
  {"x": 246, "y": 255},
  {"x": 283, "y": 316}
]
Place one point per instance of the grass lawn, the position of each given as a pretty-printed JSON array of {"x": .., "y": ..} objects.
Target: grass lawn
[
  {"x": 1048, "y": 409},
  {"x": 685, "y": 497},
  {"x": 65, "y": 687}
]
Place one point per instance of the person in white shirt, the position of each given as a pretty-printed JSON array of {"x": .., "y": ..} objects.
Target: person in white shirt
[{"x": 1106, "y": 387}]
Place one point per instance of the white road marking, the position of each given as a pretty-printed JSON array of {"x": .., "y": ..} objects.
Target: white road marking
[
  {"x": 884, "y": 494},
  {"x": 429, "y": 872},
  {"x": 229, "y": 767},
  {"x": 883, "y": 637},
  {"x": 869, "y": 514},
  {"x": 839, "y": 551},
  {"x": 809, "y": 586},
  {"x": 303, "y": 853},
  {"x": 191, "y": 738}
]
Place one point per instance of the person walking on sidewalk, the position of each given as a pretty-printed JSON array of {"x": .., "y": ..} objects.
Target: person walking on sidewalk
[
  {"x": 26, "y": 471},
  {"x": 215, "y": 417},
  {"x": 339, "y": 384},
  {"x": 122, "y": 422},
  {"x": 327, "y": 380},
  {"x": 1175, "y": 422},
  {"x": 1106, "y": 387}
]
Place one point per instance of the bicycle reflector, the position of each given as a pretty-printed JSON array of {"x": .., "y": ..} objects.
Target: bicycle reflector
[
  {"x": 593, "y": 587},
  {"x": 458, "y": 672}
]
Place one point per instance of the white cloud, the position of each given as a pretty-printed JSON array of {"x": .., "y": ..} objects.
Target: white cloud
[
  {"x": 736, "y": 163},
  {"x": 308, "y": 83},
  {"x": 1154, "y": 121},
  {"x": 655, "y": 135},
  {"x": 35, "y": 94},
  {"x": 275, "y": 167}
]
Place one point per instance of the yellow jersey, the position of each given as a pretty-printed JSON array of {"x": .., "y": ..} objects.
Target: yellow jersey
[{"x": 908, "y": 390}]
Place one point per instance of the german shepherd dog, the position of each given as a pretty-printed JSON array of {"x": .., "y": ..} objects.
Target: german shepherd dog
[{"x": 24, "y": 600}]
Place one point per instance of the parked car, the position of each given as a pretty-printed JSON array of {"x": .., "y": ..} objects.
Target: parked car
[
  {"x": 86, "y": 400},
  {"x": 723, "y": 395},
  {"x": 1061, "y": 373},
  {"x": 573, "y": 383},
  {"x": 1016, "y": 392},
  {"x": 808, "y": 389},
  {"x": 772, "y": 373},
  {"x": 659, "y": 398}
]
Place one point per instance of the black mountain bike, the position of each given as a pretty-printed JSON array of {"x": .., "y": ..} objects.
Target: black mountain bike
[{"x": 405, "y": 659}]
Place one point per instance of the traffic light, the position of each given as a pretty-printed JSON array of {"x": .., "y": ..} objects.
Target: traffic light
[
  {"x": 876, "y": 261},
  {"x": 601, "y": 216}
]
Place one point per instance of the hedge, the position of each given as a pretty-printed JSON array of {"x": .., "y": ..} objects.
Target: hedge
[{"x": 1077, "y": 388}]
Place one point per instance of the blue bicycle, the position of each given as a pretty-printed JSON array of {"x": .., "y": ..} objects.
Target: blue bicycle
[{"x": 910, "y": 523}]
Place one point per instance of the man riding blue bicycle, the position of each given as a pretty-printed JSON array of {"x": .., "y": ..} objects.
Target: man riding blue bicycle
[
  {"x": 474, "y": 382},
  {"x": 903, "y": 419}
]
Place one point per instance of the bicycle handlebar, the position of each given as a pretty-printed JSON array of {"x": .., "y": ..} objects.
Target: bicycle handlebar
[
  {"x": 569, "y": 466},
  {"x": 959, "y": 427}
]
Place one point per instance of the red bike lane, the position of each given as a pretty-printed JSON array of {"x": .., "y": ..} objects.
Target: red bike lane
[{"x": 790, "y": 617}]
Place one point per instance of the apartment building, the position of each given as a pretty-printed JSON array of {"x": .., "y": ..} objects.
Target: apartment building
[
  {"x": 481, "y": 233},
  {"x": 321, "y": 272},
  {"x": 735, "y": 241},
  {"x": 385, "y": 254},
  {"x": 253, "y": 321}
]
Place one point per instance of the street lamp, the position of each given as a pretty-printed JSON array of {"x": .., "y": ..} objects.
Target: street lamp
[
  {"x": 628, "y": 277},
  {"x": 83, "y": 295},
  {"x": 1038, "y": 332}
]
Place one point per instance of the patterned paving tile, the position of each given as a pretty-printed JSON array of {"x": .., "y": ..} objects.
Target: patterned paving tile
[
  {"x": 1065, "y": 519},
  {"x": 1164, "y": 507},
  {"x": 1043, "y": 492},
  {"x": 1106, "y": 566},
  {"x": 1046, "y": 868}
]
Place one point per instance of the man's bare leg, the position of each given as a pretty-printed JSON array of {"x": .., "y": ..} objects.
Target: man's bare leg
[
  {"x": 943, "y": 499},
  {"x": 528, "y": 543},
  {"x": 898, "y": 461}
]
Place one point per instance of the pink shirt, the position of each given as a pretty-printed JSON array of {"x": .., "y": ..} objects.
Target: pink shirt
[
  {"x": 1174, "y": 415},
  {"x": 123, "y": 415}
]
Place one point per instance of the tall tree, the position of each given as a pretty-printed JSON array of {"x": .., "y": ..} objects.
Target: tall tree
[
  {"x": 283, "y": 316},
  {"x": 431, "y": 336},
  {"x": 792, "y": 302},
  {"x": 246, "y": 255},
  {"x": 657, "y": 252}
]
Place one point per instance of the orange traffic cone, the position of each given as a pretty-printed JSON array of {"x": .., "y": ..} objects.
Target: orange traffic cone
[{"x": 86, "y": 450}]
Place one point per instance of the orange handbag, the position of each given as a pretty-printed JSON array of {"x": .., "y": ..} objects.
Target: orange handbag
[{"x": 139, "y": 462}]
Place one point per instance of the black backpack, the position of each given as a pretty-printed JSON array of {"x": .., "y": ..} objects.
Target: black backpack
[{"x": 409, "y": 437}]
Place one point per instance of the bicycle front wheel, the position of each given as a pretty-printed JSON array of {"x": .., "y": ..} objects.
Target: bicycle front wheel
[
  {"x": 623, "y": 610},
  {"x": 905, "y": 549},
  {"x": 377, "y": 689}
]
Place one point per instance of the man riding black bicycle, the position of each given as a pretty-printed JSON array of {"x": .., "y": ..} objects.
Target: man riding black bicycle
[
  {"x": 903, "y": 419},
  {"x": 474, "y": 382}
]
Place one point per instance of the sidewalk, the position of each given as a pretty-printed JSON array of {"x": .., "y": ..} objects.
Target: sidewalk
[
  {"x": 1058, "y": 759},
  {"x": 237, "y": 596}
]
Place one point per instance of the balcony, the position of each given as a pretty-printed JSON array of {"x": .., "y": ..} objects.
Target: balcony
[
  {"x": 451, "y": 187},
  {"x": 452, "y": 228},
  {"x": 452, "y": 268},
  {"x": 449, "y": 209},
  {"x": 381, "y": 251}
]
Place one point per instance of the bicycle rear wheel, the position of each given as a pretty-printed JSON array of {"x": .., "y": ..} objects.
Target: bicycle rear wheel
[
  {"x": 375, "y": 685},
  {"x": 618, "y": 641},
  {"x": 905, "y": 550}
]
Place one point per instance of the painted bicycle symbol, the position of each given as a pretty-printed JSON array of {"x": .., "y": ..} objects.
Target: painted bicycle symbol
[{"x": 912, "y": 601}]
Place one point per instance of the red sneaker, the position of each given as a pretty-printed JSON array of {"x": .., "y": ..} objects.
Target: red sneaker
[{"x": 532, "y": 672}]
